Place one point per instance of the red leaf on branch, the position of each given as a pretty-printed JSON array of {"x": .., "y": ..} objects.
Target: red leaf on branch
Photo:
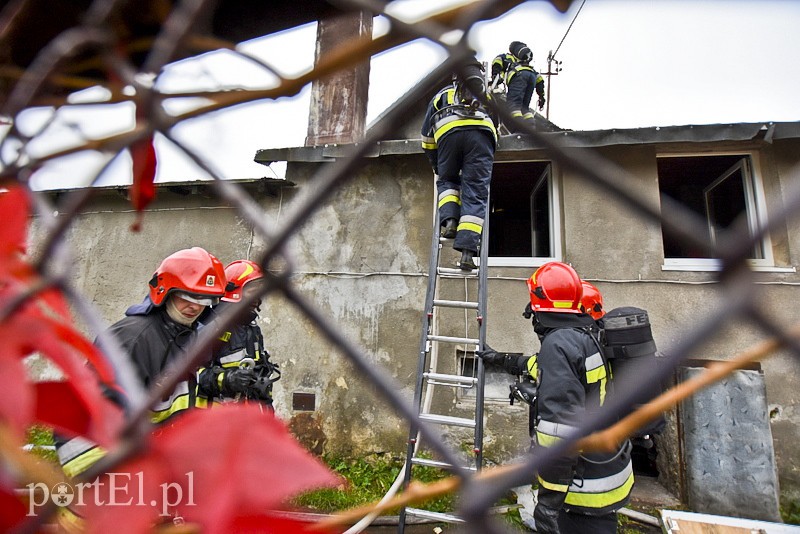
[
  {"x": 224, "y": 465},
  {"x": 16, "y": 402},
  {"x": 13, "y": 510},
  {"x": 272, "y": 524},
  {"x": 84, "y": 410},
  {"x": 66, "y": 406},
  {"x": 143, "y": 190},
  {"x": 15, "y": 207}
]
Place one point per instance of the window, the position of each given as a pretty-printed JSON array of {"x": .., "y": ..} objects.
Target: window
[
  {"x": 524, "y": 227},
  {"x": 495, "y": 381},
  {"x": 722, "y": 189}
]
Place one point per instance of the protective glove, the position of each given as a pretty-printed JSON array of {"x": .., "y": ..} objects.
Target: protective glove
[
  {"x": 491, "y": 356},
  {"x": 512, "y": 362},
  {"x": 237, "y": 381},
  {"x": 541, "y": 102}
]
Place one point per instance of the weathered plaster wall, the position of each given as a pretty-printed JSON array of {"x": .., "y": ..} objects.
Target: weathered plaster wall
[{"x": 363, "y": 259}]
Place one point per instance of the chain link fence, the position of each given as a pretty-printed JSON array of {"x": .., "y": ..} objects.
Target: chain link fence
[{"x": 95, "y": 38}]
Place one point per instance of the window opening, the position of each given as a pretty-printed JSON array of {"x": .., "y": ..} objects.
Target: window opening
[
  {"x": 495, "y": 382},
  {"x": 523, "y": 221},
  {"x": 720, "y": 189}
]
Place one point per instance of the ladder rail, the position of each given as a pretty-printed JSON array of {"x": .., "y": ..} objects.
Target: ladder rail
[
  {"x": 483, "y": 298},
  {"x": 427, "y": 379}
]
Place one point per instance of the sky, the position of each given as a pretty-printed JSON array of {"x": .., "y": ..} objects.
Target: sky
[{"x": 624, "y": 64}]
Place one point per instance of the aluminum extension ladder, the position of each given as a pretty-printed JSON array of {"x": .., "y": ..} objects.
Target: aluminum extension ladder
[{"x": 429, "y": 377}]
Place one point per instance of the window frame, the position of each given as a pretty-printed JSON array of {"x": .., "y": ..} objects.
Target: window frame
[
  {"x": 556, "y": 230},
  {"x": 755, "y": 204}
]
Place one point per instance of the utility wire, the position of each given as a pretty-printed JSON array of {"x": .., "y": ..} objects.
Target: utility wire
[{"x": 568, "y": 29}]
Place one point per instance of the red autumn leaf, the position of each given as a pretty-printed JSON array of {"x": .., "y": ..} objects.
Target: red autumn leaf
[
  {"x": 273, "y": 524},
  {"x": 86, "y": 349},
  {"x": 16, "y": 402},
  {"x": 128, "y": 501},
  {"x": 13, "y": 508},
  {"x": 14, "y": 205},
  {"x": 95, "y": 416},
  {"x": 143, "y": 190},
  {"x": 225, "y": 463},
  {"x": 62, "y": 405}
]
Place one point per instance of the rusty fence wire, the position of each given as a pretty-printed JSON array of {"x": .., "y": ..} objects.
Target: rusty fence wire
[{"x": 740, "y": 299}]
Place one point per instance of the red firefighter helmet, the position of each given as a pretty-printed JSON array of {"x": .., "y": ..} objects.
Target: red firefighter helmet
[
  {"x": 592, "y": 301},
  {"x": 239, "y": 273},
  {"x": 193, "y": 271},
  {"x": 555, "y": 287}
]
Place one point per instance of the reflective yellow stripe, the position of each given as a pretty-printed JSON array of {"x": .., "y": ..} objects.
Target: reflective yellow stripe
[
  {"x": 601, "y": 500},
  {"x": 561, "y": 488},
  {"x": 516, "y": 113},
  {"x": 178, "y": 405},
  {"x": 470, "y": 227},
  {"x": 81, "y": 463},
  {"x": 546, "y": 440},
  {"x": 429, "y": 146},
  {"x": 595, "y": 375},
  {"x": 533, "y": 366},
  {"x": 486, "y": 123},
  {"x": 562, "y": 304},
  {"x": 449, "y": 198},
  {"x": 201, "y": 402}
]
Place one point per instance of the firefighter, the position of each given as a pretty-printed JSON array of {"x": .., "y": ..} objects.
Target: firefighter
[
  {"x": 502, "y": 63},
  {"x": 153, "y": 334},
  {"x": 459, "y": 136},
  {"x": 240, "y": 368},
  {"x": 521, "y": 82},
  {"x": 582, "y": 493},
  {"x": 592, "y": 301}
]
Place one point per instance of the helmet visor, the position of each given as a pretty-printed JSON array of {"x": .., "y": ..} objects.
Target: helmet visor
[{"x": 202, "y": 300}]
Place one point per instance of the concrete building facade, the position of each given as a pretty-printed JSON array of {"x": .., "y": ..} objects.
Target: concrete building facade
[{"x": 363, "y": 259}]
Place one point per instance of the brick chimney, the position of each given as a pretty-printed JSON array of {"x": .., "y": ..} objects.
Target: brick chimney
[{"x": 338, "y": 111}]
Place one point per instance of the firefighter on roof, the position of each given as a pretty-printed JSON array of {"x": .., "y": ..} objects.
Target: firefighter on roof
[{"x": 513, "y": 69}]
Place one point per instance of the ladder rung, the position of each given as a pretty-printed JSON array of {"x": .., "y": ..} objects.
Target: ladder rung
[
  {"x": 451, "y": 380},
  {"x": 449, "y": 339},
  {"x": 447, "y": 420},
  {"x": 436, "y": 463},
  {"x": 457, "y": 272},
  {"x": 456, "y": 304},
  {"x": 437, "y": 516}
]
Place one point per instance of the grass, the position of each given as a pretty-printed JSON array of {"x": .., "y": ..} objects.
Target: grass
[
  {"x": 368, "y": 480},
  {"x": 39, "y": 435},
  {"x": 791, "y": 513}
]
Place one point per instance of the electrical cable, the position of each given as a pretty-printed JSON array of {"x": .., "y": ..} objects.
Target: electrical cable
[{"x": 568, "y": 29}]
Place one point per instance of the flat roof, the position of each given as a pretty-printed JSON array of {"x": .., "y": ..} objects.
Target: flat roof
[{"x": 704, "y": 133}]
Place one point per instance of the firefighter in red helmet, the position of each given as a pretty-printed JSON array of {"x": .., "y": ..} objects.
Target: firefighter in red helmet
[
  {"x": 240, "y": 368},
  {"x": 153, "y": 334},
  {"x": 592, "y": 301},
  {"x": 580, "y": 493}
]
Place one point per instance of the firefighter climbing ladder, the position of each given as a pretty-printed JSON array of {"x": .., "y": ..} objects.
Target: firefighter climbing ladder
[{"x": 428, "y": 376}]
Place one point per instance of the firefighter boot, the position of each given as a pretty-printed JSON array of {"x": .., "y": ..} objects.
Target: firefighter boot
[
  {"x": 448, "y": 230},
  {"x": 467, "y": 261}
]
